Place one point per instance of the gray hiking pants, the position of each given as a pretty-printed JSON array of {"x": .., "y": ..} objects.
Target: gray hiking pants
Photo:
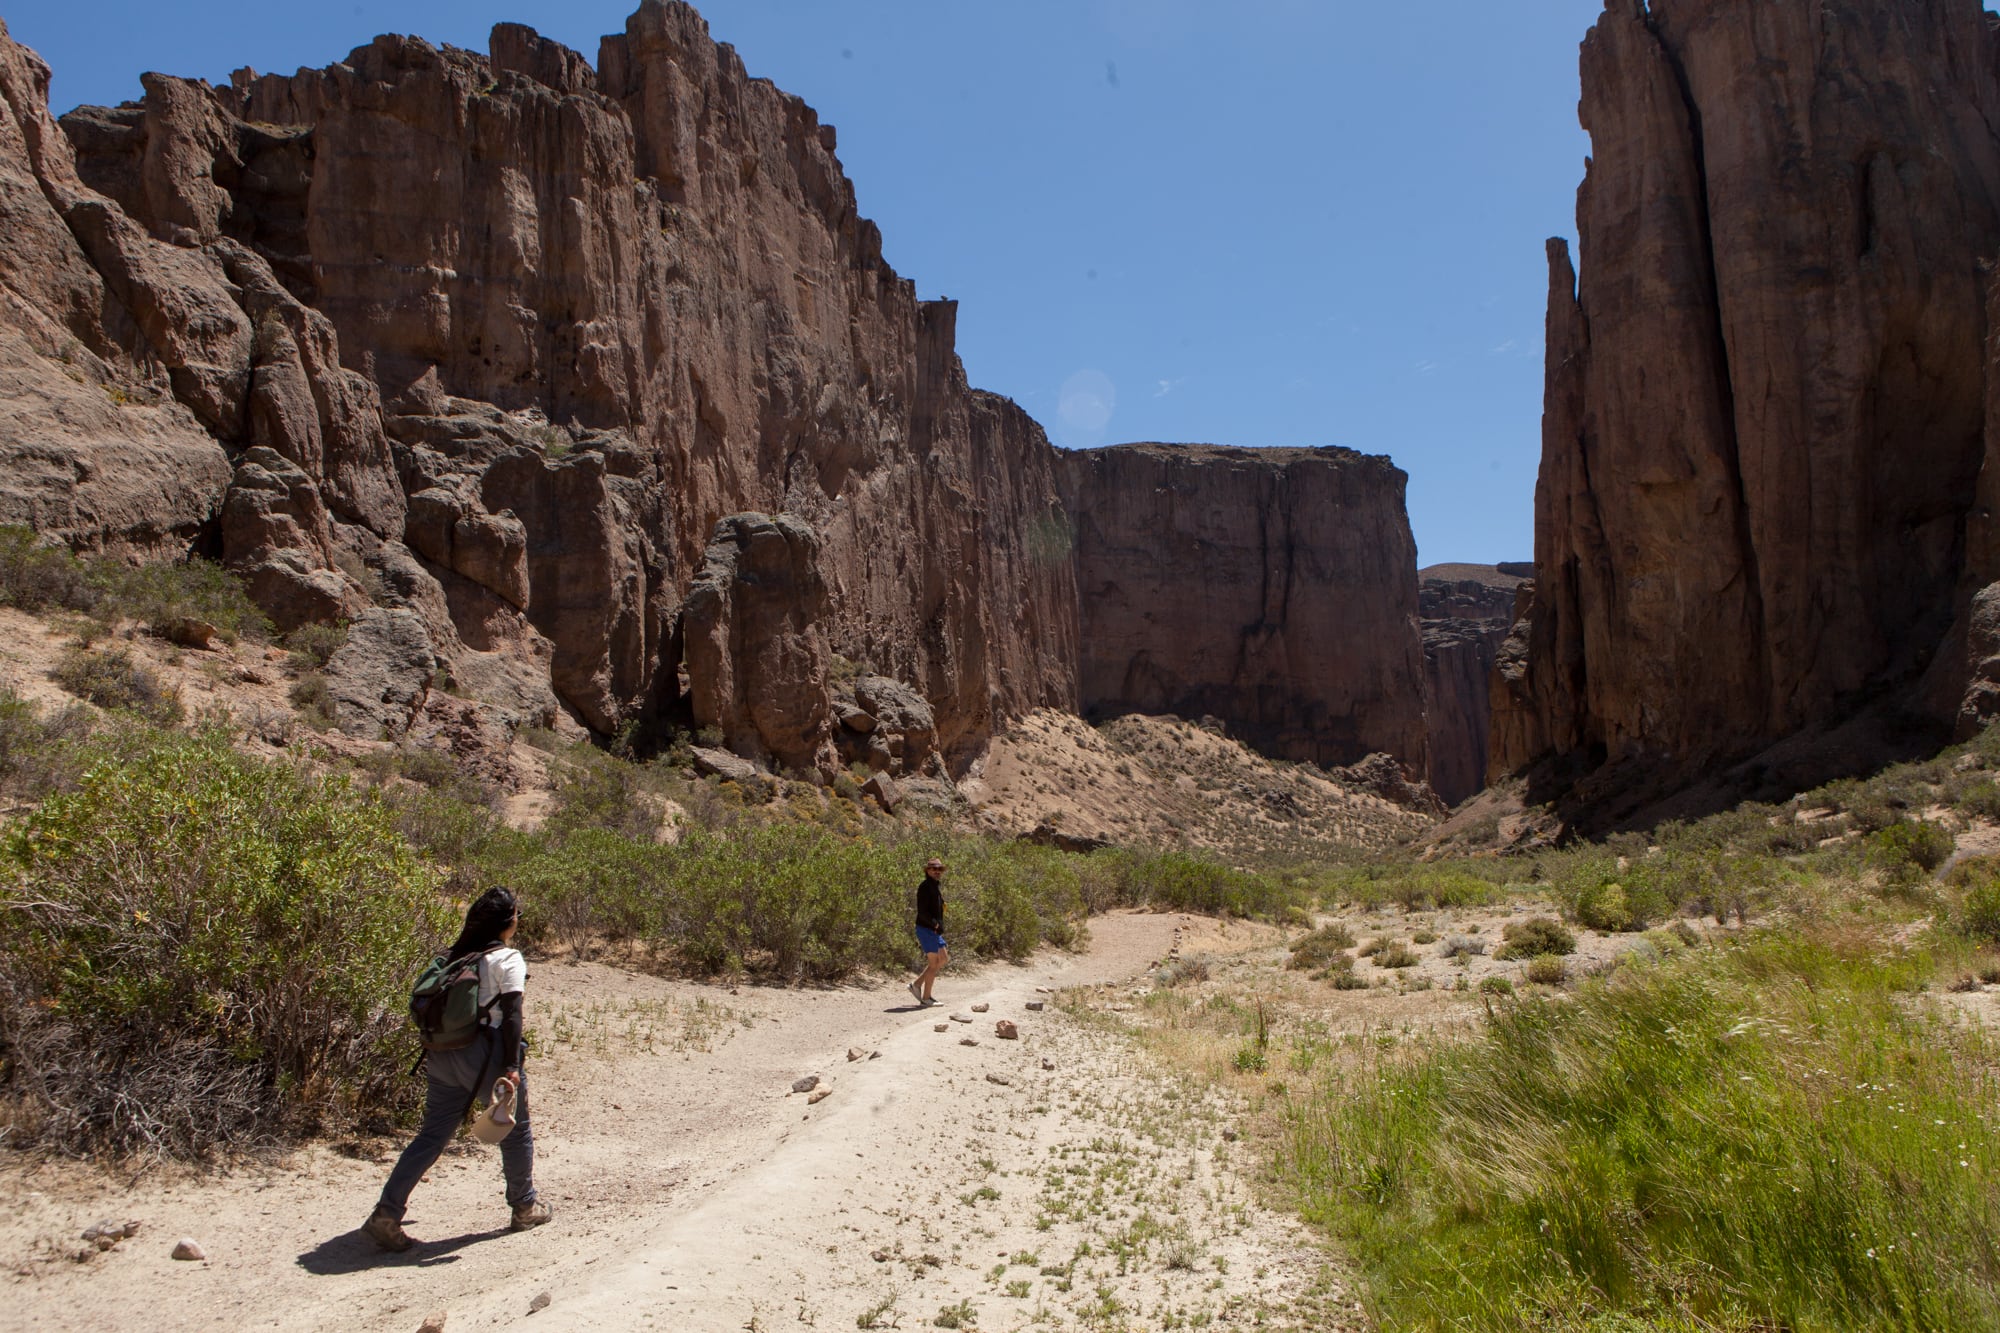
[{"x": 454, "y": 1085}]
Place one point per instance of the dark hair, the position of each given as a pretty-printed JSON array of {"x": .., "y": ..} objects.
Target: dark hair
[{"x": 492, "y": 912}]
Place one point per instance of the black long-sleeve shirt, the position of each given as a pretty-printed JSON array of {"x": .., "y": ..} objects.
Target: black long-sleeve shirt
[
  {"x": 509, "y": 1007},
  {"x": 930, "y": 905}
]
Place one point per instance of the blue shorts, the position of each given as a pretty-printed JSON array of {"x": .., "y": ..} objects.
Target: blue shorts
[{"x": 931, "y": 941}]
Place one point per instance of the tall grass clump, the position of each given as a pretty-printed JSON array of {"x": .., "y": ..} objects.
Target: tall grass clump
[
  {"x": 1770, "y": 1134},
  {"x": 199, "y": 950}
]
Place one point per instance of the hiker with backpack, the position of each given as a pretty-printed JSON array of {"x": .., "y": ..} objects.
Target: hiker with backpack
[{"x": 467, "y": 1007}]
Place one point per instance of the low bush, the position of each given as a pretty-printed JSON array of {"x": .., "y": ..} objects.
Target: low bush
[
  {"x": 1911, "y": 848},
  {"x": 1415, "y": 888},
  {"x": 38, "y": 751},
  {"x": 1318, "y": 948},
  {"x": 1979, "y": 911},
  {"x": 313, "y": 645},
  {"x": 1536, "y": 937},
  {"x": 113, "y": 680},
  {"x": 1764, "y": 1136},
  {"x": 1496, "y": 986},
  {"x": 1462, "y": 946},
  {"x": 157, "y": 595},
  {"x": 312, "y": 695},
  {"x": 1396, "y": 956},
  {"x": 1546, "y": 970},
  {"x": 1347, "y": 979},
  {"x": 1423, "y": 937},
  {"x": 35, "y": 576},
  {"x": 198, "y": 950}
]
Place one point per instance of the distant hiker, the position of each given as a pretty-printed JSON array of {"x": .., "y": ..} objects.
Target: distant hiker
[
  {"x": 930, "y": 930},
  {"x": 472, "y": 1036}
]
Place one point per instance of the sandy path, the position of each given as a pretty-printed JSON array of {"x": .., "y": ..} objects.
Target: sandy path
[{"x": 692, "y": 1192}]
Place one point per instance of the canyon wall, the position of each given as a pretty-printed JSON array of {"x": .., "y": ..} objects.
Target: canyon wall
[
  {"x": 1274, "y": 589},
  {"x": 587, "y": 392},
  {"x": 1766, "y": 397},
  {"x": 516, "y": 335},
  {"x": 1467, "y": 611}
]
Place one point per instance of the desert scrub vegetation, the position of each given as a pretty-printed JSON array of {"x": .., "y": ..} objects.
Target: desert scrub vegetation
[
  {"x": 200, "y": 950},
  {"x": 35, "y": 576},
  {"x": 112, "y": 680},
  {"x": 1321, "y": 947},
  {"x": 1771, "y": 1132},
  {"x": 1411, "y": 886},
  {"x": 1537, "y": 937}
]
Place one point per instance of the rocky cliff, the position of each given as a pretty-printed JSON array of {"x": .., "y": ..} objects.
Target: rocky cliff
[
  {"x": 1766, "y": 388},
  {"x": 1274, "y": 589},
  {"x": 510, "y": 337},
  {"x": 587, "y": 391},
  {"x": 1467, "y": 611}
]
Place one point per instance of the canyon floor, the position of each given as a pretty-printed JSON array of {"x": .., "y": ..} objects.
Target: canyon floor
[{"x": 1055, "y": 1181}]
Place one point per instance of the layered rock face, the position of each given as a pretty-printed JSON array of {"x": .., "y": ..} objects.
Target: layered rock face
[
  {"x": 1467, "y": 611},
  {"x": 517, "y": 334},
  {"x": 1272, "y": 588},
  {"x": 1766, "y": 391}
]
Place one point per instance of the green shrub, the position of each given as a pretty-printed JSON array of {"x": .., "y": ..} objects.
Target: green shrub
[
  {"x": 198, "y": 949},
  {"x": 113, "y": 680},
  {"x": 313, "y": 645},
  {"x": 1416, "y": 888},
  {"x": 1462, "y": 946},
  {"x": 1320, "y": 947},
  {"x": 1496, "y": 986},
  {"x": 1726, "y": 1139},
  {"x": 1912, "y": 847},
  {"x": 1396, "y": 956},
  {"x": 1347, "y": 979},
  {"x": 1979, "y": 911},
  {"x": 37, "y": 751},
  {"x": 1546, "y": 970},
  {"x": 1536, "y": 937},
  {"x": 312, "y": 695},
  {"x": 36, "y": 577},
  {"x": 194, "y": 589}
]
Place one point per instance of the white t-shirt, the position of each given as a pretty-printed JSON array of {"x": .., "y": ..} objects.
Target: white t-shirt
[{"x": 502, "y": 972}]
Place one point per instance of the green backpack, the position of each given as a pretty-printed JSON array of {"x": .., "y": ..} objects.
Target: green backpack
[{"x": 444, "y": 1004}]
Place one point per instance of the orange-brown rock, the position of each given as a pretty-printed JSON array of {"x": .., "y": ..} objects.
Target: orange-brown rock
[
  {"x": 1274, "y": 589},
  {"x": 1766, "y": 388},
  {"x": 606, "y": 308}
]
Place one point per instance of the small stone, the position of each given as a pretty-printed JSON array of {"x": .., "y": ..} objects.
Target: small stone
[
  {"x": 819, "y": 1096},
  {"x": 1048, "y": 1063},
  {"x": 105, "y": 1240},
  {"x": 1000, "y": 1079},
  {"x": 968, "y": 1041},
  {"x": 1043, "y": 990},
  {"x": 433, "y": 1322},
  {"x": 806, "y": 1084},
  {"x": 874, "y": 1055},
  {"x": 941, "y": 1027},
  {"x": 961, "y": 1018},
  {"x": 540, "y": 1303},
  {"x": 879, "y": 1256},
  {"x": 1229, "y": 1136},
  {"x": 1035, "y": 1006},
  {"x": 188, "y": 1248},
  {"x": 854, "y": 1053},
  {"x": 981, "y": 1008},
  {"x": 1006, "y": 1031}
]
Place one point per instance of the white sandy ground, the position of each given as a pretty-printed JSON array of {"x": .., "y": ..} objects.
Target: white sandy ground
[{"x": 694, "y": 1192}]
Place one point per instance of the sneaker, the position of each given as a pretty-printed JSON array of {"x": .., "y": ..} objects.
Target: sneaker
[
  {"x": 385, "y": 1231},
  {"x": 916, "y": 994},
  {"x": 528, "y": 1216}
]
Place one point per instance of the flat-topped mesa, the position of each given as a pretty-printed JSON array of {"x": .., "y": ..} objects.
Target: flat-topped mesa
[
  {"x": 593, "y": 312},
  {"x": 1766, "y": 391},
  {"x": 1274, "y": 589}
]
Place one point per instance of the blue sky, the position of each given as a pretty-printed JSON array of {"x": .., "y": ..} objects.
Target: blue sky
[{"x": 1271, "y": 222}]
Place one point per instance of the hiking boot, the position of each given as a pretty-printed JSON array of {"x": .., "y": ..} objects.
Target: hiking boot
[
  {"x": 527, "y": 1216},
  {"x": 385, "y": 1231}
]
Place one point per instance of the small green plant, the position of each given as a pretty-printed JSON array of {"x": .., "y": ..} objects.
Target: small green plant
[
  {"x": 113, "y": 680},
  {"x": 312, "y": 695},
  {"x": 1319, "y": 948},
  {"x": 35, "y": 576},
  {"x": 962, "y": 1315},
  {"x": 1535, "y": 937},
  {"x": 1979, "y": 911},
  {"x": 1546, "y": 970},
  {"x": 1496, "y": 986},
  {"x": 1424, "y": 937},
  {"x": 313, "y": 645},
  {"x": 1396, "y": 956}
]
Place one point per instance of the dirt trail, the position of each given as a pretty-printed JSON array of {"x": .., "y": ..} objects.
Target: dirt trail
[{"x": 1053, "y": 1180}]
